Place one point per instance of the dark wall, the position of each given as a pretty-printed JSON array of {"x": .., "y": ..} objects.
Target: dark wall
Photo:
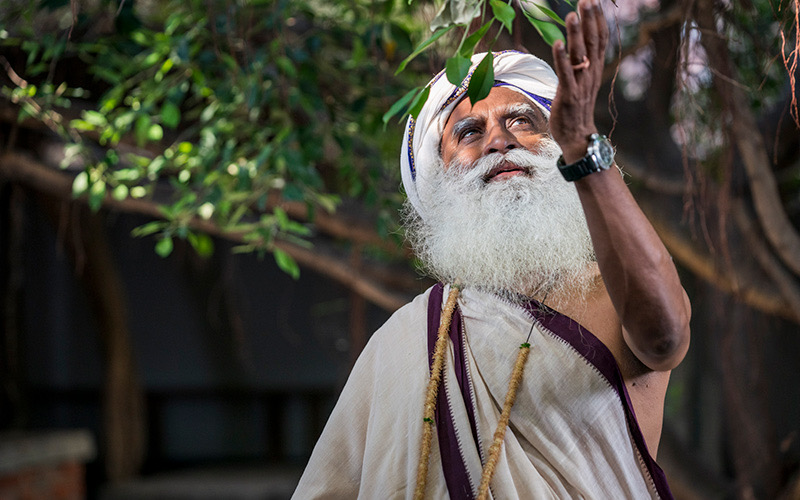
[{"x": 237, "y": 360}]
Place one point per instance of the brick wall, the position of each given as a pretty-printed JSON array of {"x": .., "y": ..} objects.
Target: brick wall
[
  {"x": 46, "y": 465},
  {"x": 63, "y": 481}
]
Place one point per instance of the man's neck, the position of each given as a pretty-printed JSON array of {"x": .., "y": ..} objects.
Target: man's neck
[{"x": 568, "y": 296}]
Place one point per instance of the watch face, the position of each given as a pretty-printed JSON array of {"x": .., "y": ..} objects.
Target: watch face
[{"x": 605, "y": 153}]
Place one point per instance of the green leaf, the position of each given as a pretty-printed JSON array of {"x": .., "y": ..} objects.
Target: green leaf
[
  {"x": 142, "y": 129},
  {"x": 482, "y": 80},
  {"x": 282, "y": 218},
  {"x": 292, "y": 193},
  {"x": 285, "y": 64},
  {"x": 140, "y": 38},
  {"x": 97, "y": 194},
  {"x": 424, "y": 45},
  {"x": 457, "y": 12},
  {"x": 151, "y": 59},
  {"x": 81, "y": 125},
  {"x": 131, "y": 174},
  {"x": 72, "y": 152},
  {"x": 457, "y": 68},
  {"x": 37, "y": 69},
  {"x": 120, "y": 192},
  {"x": 297, "y": 228},
  {"x": 328, "y": 203},
  {"x": 202, "y": 244},
  {"x": 155, "y": 132},
  {"x": 418, "y": 102},
  {"x": 549, "y": 31},
  {"x": 164, "y": 246},
  {"x": 80, "y": 184},
  {"x": 95, "y": 118},
  {"x": 552, "y": 15},
  {"x": 471, "y": 41},
  {"x": 168, "y": 64},
  {"x": 170, "y": 114},
  {"x": 399, "y": 105},
  {"x": 286, "y": 263},
  {"x": 504, "y": 13},
  {"x": 124, "y": 120},
  {"x": 155, "y": 166},
  {"x": 148, "y": 229}
]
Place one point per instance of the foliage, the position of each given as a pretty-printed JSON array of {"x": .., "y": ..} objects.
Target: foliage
[
  {"x": 229, "y": 106},
  {"x": 232, "y": 106},
  {"x": 463, "y": 14}
]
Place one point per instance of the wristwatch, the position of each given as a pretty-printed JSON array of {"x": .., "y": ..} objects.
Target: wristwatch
[{"x": 599, "y": 156}]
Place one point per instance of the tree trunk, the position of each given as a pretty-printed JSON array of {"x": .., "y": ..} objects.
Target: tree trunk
[{"x": 123, "y": 402}]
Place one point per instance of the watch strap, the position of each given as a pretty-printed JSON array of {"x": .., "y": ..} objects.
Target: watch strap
[
  {"x": 579, "y": 169},
  {"x": 592, "y": 162}
]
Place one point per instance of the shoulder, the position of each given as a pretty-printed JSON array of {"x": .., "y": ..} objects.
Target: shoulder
[
  {"x": 399, "y": 347},
  {"x": 406, "y": 326}
]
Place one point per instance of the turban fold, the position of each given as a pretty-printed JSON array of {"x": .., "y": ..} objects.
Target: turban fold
[{"x": 524, "y": 73}]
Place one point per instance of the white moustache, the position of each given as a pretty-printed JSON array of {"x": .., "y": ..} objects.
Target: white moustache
[{"x": 532, "y": 164}]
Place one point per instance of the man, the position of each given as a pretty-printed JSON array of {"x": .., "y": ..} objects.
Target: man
[{"x": 549, "y": 256}]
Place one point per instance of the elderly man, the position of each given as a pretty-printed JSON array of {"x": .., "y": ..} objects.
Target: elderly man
[{"x": 537, "y": 368}]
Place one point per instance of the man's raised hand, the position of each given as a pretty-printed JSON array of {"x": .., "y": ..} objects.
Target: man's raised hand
[{"x": 579, "y": 67}]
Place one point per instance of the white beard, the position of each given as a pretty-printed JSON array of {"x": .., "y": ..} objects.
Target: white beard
[{"x": 521, "y": 236}]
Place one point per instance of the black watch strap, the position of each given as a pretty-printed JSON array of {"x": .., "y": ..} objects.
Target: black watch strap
[
  {"x": 599, "y": 156},
  {"x": 577, "y": 170}
]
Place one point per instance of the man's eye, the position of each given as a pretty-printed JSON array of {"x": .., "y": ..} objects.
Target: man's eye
[
  {"x": 468, "y": 133},
  {"x": 520, "y": 120}
]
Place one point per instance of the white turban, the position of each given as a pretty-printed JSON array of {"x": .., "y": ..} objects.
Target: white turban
[{"x": 524, "y": 73}]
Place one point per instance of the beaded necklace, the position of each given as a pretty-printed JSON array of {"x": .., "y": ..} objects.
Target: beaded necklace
[{"x": 433, "y": 389}]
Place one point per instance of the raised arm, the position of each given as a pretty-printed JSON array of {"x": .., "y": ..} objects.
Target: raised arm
[{"x": 639, "y": 274}]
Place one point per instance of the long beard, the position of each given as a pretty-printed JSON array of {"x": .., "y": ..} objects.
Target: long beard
[{"x": 521, "y": 236}]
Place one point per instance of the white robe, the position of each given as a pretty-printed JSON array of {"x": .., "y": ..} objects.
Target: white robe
[{"x": 569, "y": 436}]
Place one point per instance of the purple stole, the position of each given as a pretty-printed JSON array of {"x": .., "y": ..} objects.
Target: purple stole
[{"x": 586, "y": 344}]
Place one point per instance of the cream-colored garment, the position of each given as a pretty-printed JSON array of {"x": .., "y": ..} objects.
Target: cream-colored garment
[{"x": 568, "y": 436}]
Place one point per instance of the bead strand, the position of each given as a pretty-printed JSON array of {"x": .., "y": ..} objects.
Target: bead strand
[
  {"x": 500, "y": 432},
  {"x": 432, "y": 392}
]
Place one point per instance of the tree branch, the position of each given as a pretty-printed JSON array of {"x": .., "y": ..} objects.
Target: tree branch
[
  {"x": 337, "y": 226},
  {"x": 40, "y": 177},
  {"x": 785, "y": 282},
  {"x": 647, "y": 30},
  {"x": 656, "y": 182},
  {"x": 704, "y": 267},
  {"x": 730, "y": 280},
  {"x": 778, "y": 229},
  {"x": 342, "y": 227}
]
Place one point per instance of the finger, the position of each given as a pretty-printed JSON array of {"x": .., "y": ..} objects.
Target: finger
[
  {"x": 575, "y": 45},
  {"x": 563, "y": 66},
  {"x": 602, "y": 31},
  {"x": 589, "y": 14}
]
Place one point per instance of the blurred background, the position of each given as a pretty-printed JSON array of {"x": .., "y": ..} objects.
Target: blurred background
[{"x": 199, "y": 229}]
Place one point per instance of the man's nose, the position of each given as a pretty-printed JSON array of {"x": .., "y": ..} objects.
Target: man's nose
[{"x": 500, "y": 140}]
